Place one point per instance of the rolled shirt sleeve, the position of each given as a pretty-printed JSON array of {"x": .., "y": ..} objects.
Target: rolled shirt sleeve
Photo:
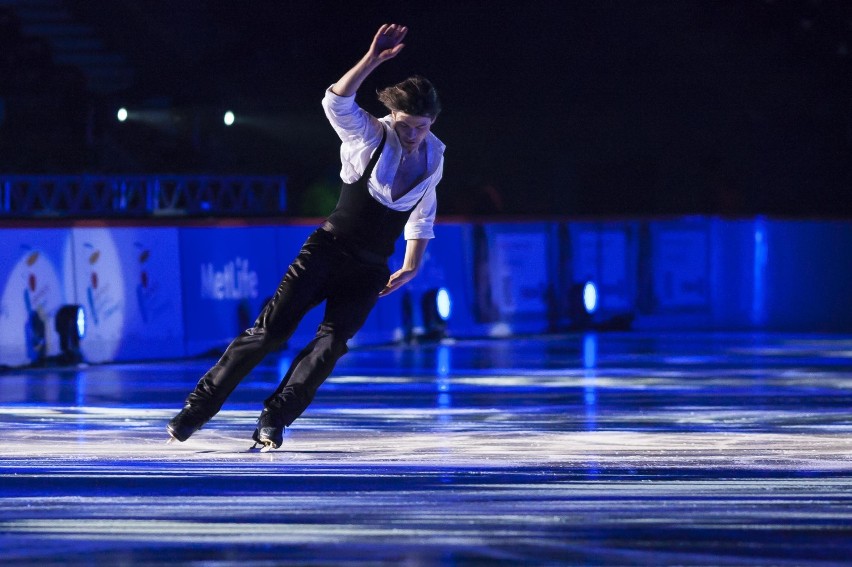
[{"x": 422, "y": 220}]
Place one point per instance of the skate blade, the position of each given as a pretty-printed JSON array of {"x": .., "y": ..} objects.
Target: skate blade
[
  {"x": 267, "y": 447},
  {"x": 170, "y": 440}
]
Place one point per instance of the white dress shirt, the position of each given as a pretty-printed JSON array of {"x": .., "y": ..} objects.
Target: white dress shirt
[{"x": 361, "y": 134}]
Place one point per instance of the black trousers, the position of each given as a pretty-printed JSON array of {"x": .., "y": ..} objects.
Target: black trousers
[{"x": 326, "y": 269}]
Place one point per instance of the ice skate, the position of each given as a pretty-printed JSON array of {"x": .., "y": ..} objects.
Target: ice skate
[
  {"x": 186, "y": 422},
  {"x": 269, "y": 432}
]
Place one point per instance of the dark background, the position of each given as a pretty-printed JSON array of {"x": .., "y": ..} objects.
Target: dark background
[{"x": 569, "y": 108}]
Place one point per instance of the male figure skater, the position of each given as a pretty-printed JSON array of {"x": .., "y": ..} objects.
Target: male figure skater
[{"x": 390, "y": 168}]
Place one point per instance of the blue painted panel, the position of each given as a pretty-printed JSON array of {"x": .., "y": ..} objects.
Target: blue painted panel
[
  {"x": 738, "y": 283},
  {"x": 808, "y": 275}
]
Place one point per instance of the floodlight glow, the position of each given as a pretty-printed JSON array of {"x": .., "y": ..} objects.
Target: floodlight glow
[
  {"x": 229, "y": 118},
  {"x": 121, "y": 114},
  {"x": 444, "y": 304},
  {"x": 590, "y": 298},
  {"x": 81, "y": 322}
]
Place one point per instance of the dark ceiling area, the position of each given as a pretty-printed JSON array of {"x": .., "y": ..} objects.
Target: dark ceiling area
[{"x": 611, "y": 108}]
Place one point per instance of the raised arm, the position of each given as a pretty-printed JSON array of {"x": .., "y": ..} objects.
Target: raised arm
[{"x": 387, "y": 44}]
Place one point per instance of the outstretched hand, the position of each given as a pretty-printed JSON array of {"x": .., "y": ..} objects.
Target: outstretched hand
[
  {"x": 397, "y": 280},
  {"x": 387, "y": 42}
]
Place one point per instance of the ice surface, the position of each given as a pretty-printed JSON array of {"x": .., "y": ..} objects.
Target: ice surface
[{"x": 653, "y": 449}]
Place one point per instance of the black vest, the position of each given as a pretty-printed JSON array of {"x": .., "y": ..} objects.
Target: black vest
[{"x": 363, "y": 222}]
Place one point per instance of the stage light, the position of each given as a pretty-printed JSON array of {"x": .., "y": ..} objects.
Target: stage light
[
  {"x": 584, "y": 301},
  {"x": 229, "y": 118},
  {"x": 121, "y": 114},
  {"x": 437, "y": 307},
  {"x": 71, "y": 326},
  {"x": 444, "y": 304},
  {"x": 590, "y": 298},
  {"x": 586, "y": 312}
]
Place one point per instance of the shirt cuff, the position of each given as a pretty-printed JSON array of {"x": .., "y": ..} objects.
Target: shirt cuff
[
  {"x": 419, "y": 232},
  {"x": 335, "y": 99}
]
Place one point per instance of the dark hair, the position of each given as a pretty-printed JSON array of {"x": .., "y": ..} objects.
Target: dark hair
[{"x": 415, "y": 96}]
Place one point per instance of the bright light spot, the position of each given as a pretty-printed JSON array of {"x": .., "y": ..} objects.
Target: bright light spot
[
  {"x": 590, "y": 297},
  {"x": 229, "y": 118},
  {"x": 444, "y": 303},
  {"x": 81, "y": 322},
  {"x": 122, "y": 114}
]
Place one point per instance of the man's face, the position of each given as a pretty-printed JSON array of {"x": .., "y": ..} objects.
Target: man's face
[{"x": 411, "y": 129}]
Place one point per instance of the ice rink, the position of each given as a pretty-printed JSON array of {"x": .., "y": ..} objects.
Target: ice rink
[{"x": 598, "y": 449}]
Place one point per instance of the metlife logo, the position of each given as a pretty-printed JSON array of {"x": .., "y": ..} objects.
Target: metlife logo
[
  {"x": 224, "y": 271},
  {"x": 236, "y": 280}
]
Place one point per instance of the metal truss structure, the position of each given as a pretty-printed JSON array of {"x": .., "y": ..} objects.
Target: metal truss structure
[{"x": 82, "y": 196}]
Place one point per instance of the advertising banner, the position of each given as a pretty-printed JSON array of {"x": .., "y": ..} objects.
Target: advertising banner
[
  {"x": 602, "y": 254},
  {"x": 35, "y": 281},
  {"x": 681, "y": 260},
  {"x": 518, "y": 261},
  {"x": 227, "y": 275},
  {"x": 128, "y": 282}
]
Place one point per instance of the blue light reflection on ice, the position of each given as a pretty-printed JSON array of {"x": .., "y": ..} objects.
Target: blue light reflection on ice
[
  {"x": 443, "y": 361},
  {"x": 590, "y": 350},
  {"x": 590, "y": 398},
  {"x": 590, "y": 357},
  {"x": 442, "y": 369},
  {"x": 80, "y": 388}
]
